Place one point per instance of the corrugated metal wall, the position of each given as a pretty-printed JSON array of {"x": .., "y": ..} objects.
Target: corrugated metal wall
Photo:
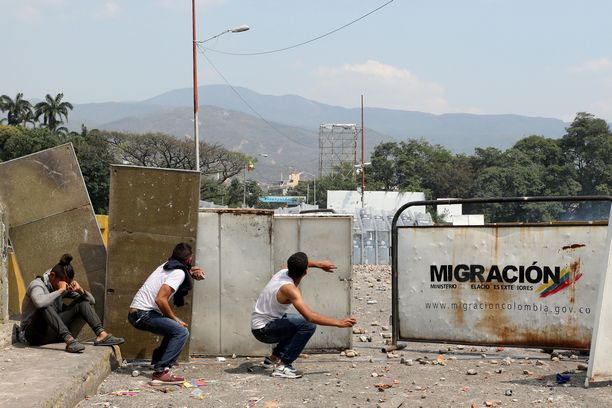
[
  {"x": 240, "y": 250},
  {"x": 320, "y": 237}
]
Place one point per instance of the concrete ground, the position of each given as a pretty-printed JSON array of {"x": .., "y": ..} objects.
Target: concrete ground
[
  {"x": 48, "y": 376},
  {"x": 422, "y": 375}
]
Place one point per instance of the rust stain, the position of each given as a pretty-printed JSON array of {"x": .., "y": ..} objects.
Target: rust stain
[
  {"x": 492, "y": 319},
  {"x": 573, "y": 246},
  {"x": 574, "y": 271}
]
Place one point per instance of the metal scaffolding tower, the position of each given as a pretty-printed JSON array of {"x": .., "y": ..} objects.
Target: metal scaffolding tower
[{"x": 337, "y": 145}]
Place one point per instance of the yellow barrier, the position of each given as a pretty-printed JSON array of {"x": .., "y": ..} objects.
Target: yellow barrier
[
  {"x": 17, "y": 286},
  {"x": 103, "y": 224}
]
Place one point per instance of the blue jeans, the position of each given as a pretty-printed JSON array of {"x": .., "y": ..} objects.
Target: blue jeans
[
  {"x": 291, "y": 332},
  {"x": 174, "y": 336}
]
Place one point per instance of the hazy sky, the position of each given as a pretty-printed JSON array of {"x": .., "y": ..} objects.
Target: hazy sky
[{"x": 534, "y": 57}]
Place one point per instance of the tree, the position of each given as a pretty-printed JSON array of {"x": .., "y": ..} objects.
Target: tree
[
  {"x": 588, "y": 145},
  {"x": 19, "y": 111},
  {"x": 95, "y": 157},
  {"x": 52, "y": 110},
  {"x": 28, "y": 141}
]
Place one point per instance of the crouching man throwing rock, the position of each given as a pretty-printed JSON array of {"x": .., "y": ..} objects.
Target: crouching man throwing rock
[{"x": 271, "y": 324}]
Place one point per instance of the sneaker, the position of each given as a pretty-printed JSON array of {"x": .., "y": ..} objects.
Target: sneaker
[
  {"x": 268, "y": 363},
  {"x": 164, "y": 377},
  {"x": 74, "y": 346},
  {"x": 285, "y": 371}
]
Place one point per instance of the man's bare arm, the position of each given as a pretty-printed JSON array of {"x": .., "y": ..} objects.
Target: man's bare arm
[
  {"x": 327, "y": 266},
  {"x": 162, "y": 301},
  {"x": 293, "y": 294}
]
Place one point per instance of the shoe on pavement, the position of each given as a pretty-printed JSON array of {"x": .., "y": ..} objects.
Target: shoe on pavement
[
  {"x": 285, "y": 371},
  {"x": 74, "y": 346},
  {"x": 164, "y": 377},
  {"x": 268, "y": 363}
]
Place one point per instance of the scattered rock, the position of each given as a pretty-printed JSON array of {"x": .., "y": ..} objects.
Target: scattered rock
[
  {"x": 508, "y": 393},
  {"x": 359, "y": 330},
  {"x": 527, "y": 372},
  {"x": 539, "y": 363},
  {"x": 406, "y": 361},
  {"x": 363, "y": 339},
  {"x": 372, "y": 302},
  {"x": 471, "y": 371},
  {"x": 135, "y": 373},
  {"x": 350, "y": 353},
  {"x": 374, "y": 324},
  {"x": 374, "y": 375},
  {"x": 386, "y": 335},
  {"x": 582, "y": 367},
  {"x": 555, "y": 358}
]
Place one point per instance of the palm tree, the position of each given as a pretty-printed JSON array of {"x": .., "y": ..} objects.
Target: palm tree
[
  {"x": 52, "y": 110},
  {"x": 19, "y": 111}
]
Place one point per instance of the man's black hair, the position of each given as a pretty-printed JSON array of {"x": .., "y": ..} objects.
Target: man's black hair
[
  {"x": 297, "y": 265},
  {"x": 181, "y": 252}
]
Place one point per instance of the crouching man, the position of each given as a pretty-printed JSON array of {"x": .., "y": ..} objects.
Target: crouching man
[
  {"x": 150, "y": 310},
  {"x": 270, "y": 323},
  {"x": 46, "y": 319}
]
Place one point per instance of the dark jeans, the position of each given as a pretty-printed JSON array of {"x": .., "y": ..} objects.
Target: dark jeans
[
  {"x": 49, "y": 326},
  {"x": 291, "y": 332},
  {"x": 174, "y": 336}
]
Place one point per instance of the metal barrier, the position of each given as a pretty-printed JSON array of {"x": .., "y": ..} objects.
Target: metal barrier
[{"x": 502, "y": 299}]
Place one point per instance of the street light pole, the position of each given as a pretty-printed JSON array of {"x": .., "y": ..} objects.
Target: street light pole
[
  {"x": 196, "y": 114},
  {"x": 196, "y": 118},
  {"x": 244, "y": 187}
]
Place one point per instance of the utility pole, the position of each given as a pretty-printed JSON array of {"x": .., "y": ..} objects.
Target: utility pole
[
  {"x": 196, "y": 131},
  {"x": 362, "y": 156},
  {"x": 244, "y": 190}
]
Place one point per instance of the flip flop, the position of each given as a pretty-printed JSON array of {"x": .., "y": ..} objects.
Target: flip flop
[{"x": 109, "y": 340}]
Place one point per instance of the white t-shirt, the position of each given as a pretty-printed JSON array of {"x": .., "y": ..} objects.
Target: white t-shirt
[
  {"x": 267, "y": 307},
  {"x": 145, "y": 297}
]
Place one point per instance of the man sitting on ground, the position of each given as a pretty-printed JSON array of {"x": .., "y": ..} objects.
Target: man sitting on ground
[
  {"x": 46, "y": 319},
  {"x": 271, "y": 324},
  {"x": 150, "y": 310}
]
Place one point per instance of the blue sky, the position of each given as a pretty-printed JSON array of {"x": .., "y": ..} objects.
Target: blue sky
[{"x": 537, "y": 58}]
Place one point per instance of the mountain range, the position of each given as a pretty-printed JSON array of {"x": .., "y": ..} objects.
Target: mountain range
[{"x": 282, "y": 131}]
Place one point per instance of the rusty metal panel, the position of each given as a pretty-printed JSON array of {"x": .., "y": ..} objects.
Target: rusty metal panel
[
  {"x": 518, "y": 286},
  {"x": 238, "y": 271},
  {"x": 600, "y": 365},
  {"x": 320, "y": 237},
  {"x": 151, "y": 210},
  {"x": 50, "y": 214}
]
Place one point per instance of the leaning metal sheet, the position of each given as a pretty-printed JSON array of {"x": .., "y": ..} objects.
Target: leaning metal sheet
[
  {"x": 515, "y": 286},
  {"x": 234, "y": 246},
  {"x": 320, "y": 237},
  {"x": 50, "y": 214},
  {"x": 151, "y": 210}
]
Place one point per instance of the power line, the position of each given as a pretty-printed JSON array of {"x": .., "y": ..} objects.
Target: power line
[
  {"x": 249, "y": 105},
  {"x": 302, "y": 43}
]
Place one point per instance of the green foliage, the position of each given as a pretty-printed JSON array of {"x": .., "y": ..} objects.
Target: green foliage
[
  {"x": 19, "y": 111},
  {"x": 578, "y": 164},
  {"x": 27, "y": 141},
  {"x": 95, "y": 157},
  {"x": 52, "y": 110}
]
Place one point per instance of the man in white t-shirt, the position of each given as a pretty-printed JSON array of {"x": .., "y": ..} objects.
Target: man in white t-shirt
[
  {"x": 271, "y": 324},
  {"x": 150, "y": 310}
]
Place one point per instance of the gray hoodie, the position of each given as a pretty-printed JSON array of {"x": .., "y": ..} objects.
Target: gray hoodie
[{"x": 40, "y": 294}]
